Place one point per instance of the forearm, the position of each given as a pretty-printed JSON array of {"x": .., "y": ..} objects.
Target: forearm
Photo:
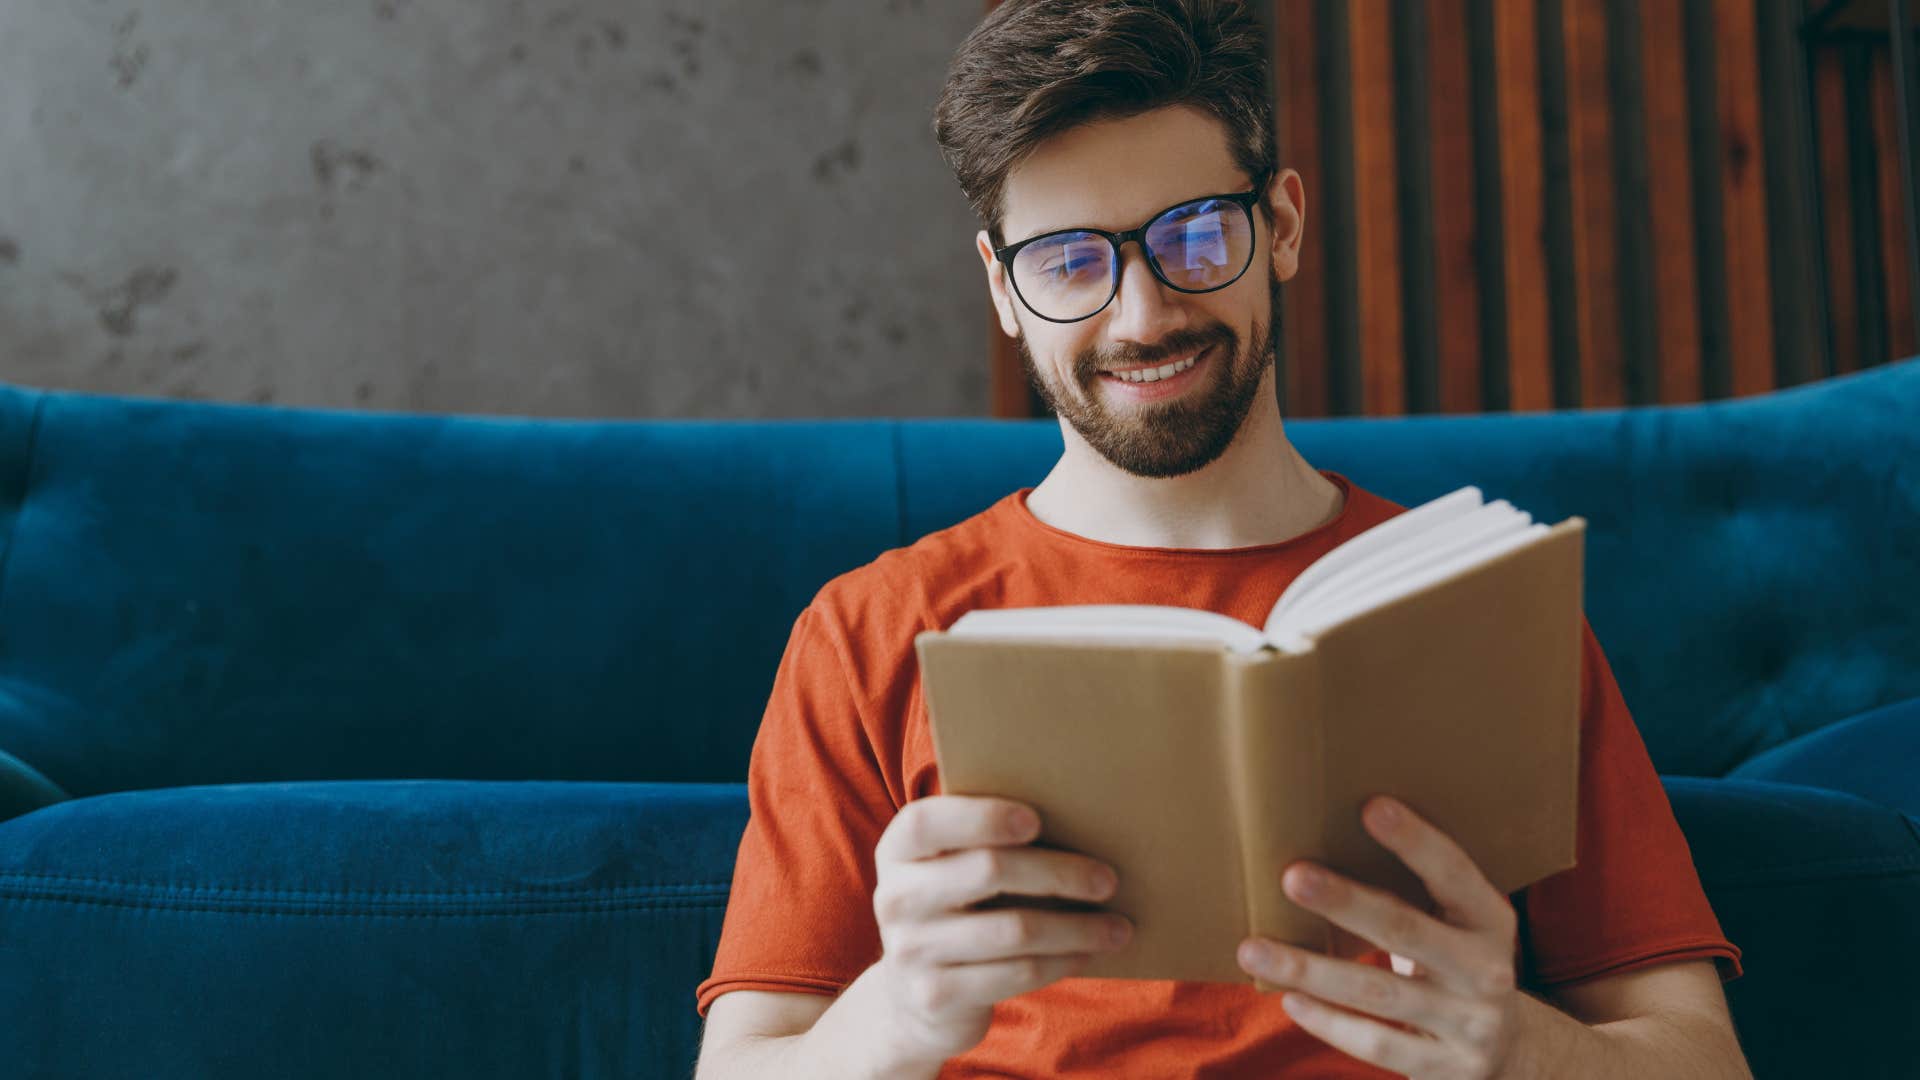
[
  {"x": 852, "y": 1040},
  {"x": 1642, "y": 1048}
]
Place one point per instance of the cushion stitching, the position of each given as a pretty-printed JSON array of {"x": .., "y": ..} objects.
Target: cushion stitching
[
  {"x": 532, "y": 892},
  {"x": 1901, "y": 861},
  {"x": 641, "y": 904},
  {"x": 1735, "y": 884}
]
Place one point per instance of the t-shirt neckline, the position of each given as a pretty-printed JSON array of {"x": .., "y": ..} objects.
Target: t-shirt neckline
[{"x": 1024, "y": 514}]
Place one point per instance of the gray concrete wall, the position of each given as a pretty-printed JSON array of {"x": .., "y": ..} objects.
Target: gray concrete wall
[{"x": 717, "y": 208}]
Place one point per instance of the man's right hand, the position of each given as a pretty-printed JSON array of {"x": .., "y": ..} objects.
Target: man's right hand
[{"x": 946, "y": 964}]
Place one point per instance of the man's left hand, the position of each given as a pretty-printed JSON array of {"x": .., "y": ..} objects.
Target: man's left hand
[{"x": 1453, "y": 978}]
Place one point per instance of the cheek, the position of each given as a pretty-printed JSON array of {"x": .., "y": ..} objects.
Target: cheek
[{"x": 1054, "y": 352}]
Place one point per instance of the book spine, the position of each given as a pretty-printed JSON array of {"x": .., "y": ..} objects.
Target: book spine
[{"x": 1274, "y": 745}]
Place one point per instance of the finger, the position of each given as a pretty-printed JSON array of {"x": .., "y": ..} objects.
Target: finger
[
  {"x": 1449, "y": 955},
  {"x": 1369, "y": 1040},
  {"x": 1364, "y": 988},
  {"x": 950, "y": 882},
  {"x": 939, "y": 823},
  {"x": 977, "y": 937},
  {"x": 1464, "y": 895},
  {"x": 962, "y": 985},
  {"x": 1404, "y": 965}
]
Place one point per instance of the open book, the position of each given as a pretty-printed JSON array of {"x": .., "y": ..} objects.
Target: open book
[{"x": 1434, "y": 658}]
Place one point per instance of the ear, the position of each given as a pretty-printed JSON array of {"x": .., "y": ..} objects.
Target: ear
[
  {"x": 997, "y": 285},
  {"x": 1287, "y": 206}
]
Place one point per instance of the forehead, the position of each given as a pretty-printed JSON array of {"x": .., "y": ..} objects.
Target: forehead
[{"x": 1112, "y": 174}]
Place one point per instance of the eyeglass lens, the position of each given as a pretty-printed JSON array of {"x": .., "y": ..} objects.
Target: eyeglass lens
[{"x": 1197, "y": 246}]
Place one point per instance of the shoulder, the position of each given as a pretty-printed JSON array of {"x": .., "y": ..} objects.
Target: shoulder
[{"x": 884, "y": 602}]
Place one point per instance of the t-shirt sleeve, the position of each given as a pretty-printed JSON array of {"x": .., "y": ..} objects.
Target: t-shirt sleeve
[
  {"x": 1633, "y": 899},
  {"x": 800, "y": 914}
]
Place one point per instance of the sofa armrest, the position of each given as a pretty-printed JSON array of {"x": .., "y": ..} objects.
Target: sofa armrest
[{"x": 1875, "y": 756}]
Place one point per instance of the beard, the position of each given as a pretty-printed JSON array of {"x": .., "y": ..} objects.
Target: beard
[{"x": 1161, "y": 439}]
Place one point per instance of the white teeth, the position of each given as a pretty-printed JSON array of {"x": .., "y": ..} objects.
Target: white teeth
[{"x": 1165, "y": 371}]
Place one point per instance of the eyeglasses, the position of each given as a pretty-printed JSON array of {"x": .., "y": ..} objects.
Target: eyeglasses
[{"x": 1197, "y": 246}]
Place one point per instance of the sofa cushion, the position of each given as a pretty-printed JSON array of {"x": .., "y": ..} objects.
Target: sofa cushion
[
  {"x": 1818, "y": 889},
  {"x": 406, "y": 928}
]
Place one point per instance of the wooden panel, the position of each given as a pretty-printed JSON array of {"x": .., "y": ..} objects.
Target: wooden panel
[
  {"x": 1793, "y": 233},
  {"x": 1517, "y": 72},
  {"x": 1895, "y": 271},
  {"x": 1836, "y": 221},
  {"x": 1412, "y": 141},
  {"x": 1304, "y": 329},
  {"x": 1749, "y": 295},
  {"x": 1676, "y": 298},
  {"x": 1376, "y": 210},
  {"x": 1595, "y": 230},
  {"x": 1456, "y": 256}
]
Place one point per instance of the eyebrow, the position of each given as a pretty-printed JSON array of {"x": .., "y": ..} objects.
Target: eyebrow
[{"x": 1096, "y": 228}]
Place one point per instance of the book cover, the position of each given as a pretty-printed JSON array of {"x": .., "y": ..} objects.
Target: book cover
[{"x": 1200, "y": 771}]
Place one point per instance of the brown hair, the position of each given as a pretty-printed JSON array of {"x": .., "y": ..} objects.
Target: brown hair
[{"x": 1035, "y": 68}]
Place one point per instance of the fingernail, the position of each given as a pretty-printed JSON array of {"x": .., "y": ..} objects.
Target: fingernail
[
  {"x": 1385, "y": 813},
  {"x": 1119, "y": 931},
  {"x": 1252, "y": 954},
  {"x": 1104, "y": 882},
  {"x": 1309, "y": 882},
  {"x": 1024, "y": 823}
]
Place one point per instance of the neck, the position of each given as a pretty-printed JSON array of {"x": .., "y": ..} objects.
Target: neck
[{"x": 1260, "y": 491}]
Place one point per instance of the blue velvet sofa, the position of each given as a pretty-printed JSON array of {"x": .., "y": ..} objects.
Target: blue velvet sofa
[{"x": 354, "y": 745}]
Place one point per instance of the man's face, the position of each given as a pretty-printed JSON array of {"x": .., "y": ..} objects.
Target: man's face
[{"x": 1114, "y": 175}]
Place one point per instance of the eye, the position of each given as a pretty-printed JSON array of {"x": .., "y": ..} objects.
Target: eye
[
  {"x": 1078, "y": 257},
  {"x": 1072, "y": 265}
]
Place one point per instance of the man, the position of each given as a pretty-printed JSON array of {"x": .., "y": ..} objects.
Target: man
[{"x": 1091, "y": 135}]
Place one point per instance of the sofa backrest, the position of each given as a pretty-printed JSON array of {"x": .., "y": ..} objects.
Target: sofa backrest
[{"x": 195, "y": 593}]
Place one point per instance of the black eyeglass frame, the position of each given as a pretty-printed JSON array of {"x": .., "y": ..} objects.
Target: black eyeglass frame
[{"x": 1244, "y": 200}]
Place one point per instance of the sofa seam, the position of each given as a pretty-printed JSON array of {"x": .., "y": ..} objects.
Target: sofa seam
[
  {"x": 1894, "y": 860},
  {"x": 1761, "y": 882},
  {"x": 26, "y": 489},
  {"x": 530, "y": 892},
  {"x": 317, "y": 910}
]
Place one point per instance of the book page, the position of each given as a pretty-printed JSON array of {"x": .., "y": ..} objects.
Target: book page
[
  {"x": 1320, "y": 620},
  {"x": 1381, "y": 537},
  {"x": 1115, "y": 622},
  {"x": 1464, "y": 534}
]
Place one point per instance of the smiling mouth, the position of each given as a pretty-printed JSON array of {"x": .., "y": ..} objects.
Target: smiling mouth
[{"x": 1148, "y": 374}]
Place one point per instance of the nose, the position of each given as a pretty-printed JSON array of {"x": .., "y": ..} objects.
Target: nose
[{"x": 1143, "y": 310}]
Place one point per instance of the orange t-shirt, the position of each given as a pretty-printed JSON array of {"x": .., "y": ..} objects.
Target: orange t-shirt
[{"x": 844, "y": 744}]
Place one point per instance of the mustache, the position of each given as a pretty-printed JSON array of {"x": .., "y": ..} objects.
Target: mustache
[{"x": 1091, "y": 362}]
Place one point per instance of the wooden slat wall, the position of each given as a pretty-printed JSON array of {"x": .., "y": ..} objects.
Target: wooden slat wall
[
  {"x": 1743, "y": 225},
  {"x": 1379, "y": 306},
  {"x": 1519, "y": 205},
  {"x": 1892, "y": 209},
  {"x": 1676, "y": 301},
  {"x": 1456, "y": 245},
  {"x": 1305, "y": 386}
]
